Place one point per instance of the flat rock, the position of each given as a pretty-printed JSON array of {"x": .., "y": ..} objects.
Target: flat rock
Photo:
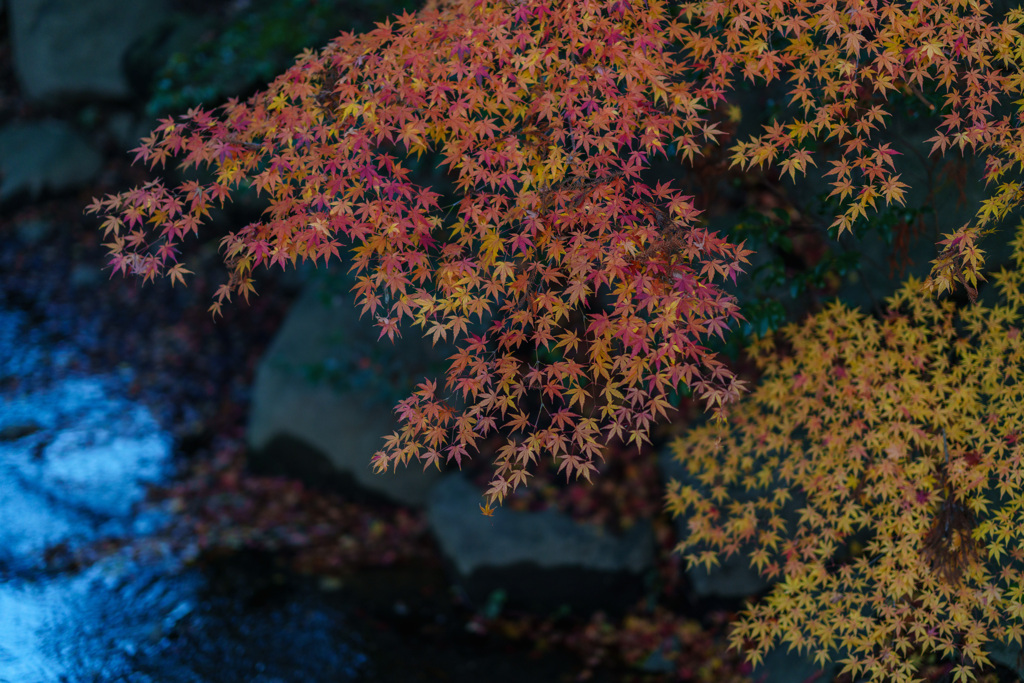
[
  {"x": 71, "y": 49},
  {"x": 324, "y": 395},
  {"x": 782, "y": 666},
  {"x": 1009, "y": 656},
  {"x": 537, "y": 560},
  {"x": 44, "y": 156},
  {"x": 733, "y": 577}
]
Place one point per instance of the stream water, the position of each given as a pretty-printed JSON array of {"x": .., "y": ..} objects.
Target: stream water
[{"x": 76, "y": 456}]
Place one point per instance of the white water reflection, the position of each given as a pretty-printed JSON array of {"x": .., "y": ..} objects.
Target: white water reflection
[
  {"x": 22, "y": 621},
  {"x": 76, "y": 456},
  {"x": 80, "y": 468},
  {"x": 75, "y": 459}
]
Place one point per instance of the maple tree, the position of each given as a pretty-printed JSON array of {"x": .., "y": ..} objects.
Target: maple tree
[
  {"x": 902, "y": 432},
  {"x": 581, "y": 290}
]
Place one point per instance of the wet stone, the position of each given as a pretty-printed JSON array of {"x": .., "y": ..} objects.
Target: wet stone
[
  {"x": 65, "y": 49},
  {"x": 541, "y": 561},
  {"x": 18, "y": 431},
  {"x": 46, "y": 156}
]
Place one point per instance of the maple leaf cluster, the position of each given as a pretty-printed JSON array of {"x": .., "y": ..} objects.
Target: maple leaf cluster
[
  {"x": 556, "y": 246},
  {"x": 579, "y": 295},
  {"x": 900, "y": 438}
]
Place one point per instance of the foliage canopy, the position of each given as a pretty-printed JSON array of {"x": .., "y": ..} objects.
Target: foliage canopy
[
  {"x": 581, "y": 290},
  {"x": 901, "y": 434}
]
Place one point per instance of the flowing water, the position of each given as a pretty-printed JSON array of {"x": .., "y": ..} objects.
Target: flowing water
[{"x": 76, "y": 456}]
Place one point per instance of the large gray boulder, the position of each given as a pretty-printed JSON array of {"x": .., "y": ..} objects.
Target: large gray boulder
[
  {"x": 70, "y": 48},
  {"x": 44, "y": 156},
  {"x": 537, "y": 560},
  {"x": 324, "y": 396}
]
